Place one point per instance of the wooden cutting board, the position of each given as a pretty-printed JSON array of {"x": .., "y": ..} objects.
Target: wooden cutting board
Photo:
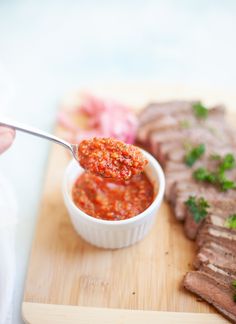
[{"x": 70, "y": 281}]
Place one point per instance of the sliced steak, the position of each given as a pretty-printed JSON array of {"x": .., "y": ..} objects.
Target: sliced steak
[
  {"x": 183, "y": 175},
  {"x": 217, "y": 234},
  {"x": 215, "y": 293},
  {"x": 190, "y": 226},
  {"x": 222, "y": 276},
  {"x": 159, "y": 124},
  {"x": 218, "y": 255},
  {"x": 218, "y": 212},
  {"x": 169, "y": 130},
  {"x": 180, "y": 192},
  {"x": 155, "y": 110}
]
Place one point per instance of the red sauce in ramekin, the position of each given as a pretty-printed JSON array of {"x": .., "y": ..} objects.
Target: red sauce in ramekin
[{"x": 112, "y": 200}]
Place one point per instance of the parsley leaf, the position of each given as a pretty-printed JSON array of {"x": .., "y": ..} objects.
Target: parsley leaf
[
  {"x": 231, "y": 223},
  {"x": 218, "y": 177},
  {"x": 203, "y": 174},
  {"x": 234, "y": 283},
  {"x": 227, "y": 163},
  {"x": 200, "y": 111},
  {"x": 226, "y": 184},
  {"x": 197, "y": 207},
  {"x": 194, "y": 154}
]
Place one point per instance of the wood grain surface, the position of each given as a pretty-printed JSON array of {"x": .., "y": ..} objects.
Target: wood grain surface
[{"x": 65, "y": 270}]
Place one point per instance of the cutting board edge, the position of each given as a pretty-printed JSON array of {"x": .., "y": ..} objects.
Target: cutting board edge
[{"x": 37, "y": 313}]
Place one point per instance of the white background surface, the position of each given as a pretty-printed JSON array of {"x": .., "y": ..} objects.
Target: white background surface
[{"x": 49, "y": 47}]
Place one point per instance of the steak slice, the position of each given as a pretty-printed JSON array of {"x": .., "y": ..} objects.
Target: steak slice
[
  {"x": 183, "y": 175},
  {"x": 217, "y": 255},
  {"x": 222, "y": 276},
  {"x": 155, "y": 110},
  {"x": 179, "y": 193},
  {"x": 191, "y": 227},
  {"x": 218, "y": 212},
  {"x": 214, "y": 292},
  {"x": 163, "y": 143},
  {"x": 223, "y": 236},
  {"x": 180, "y": 172},
  {"x": 175, "y": 108},
  {"x": 158, "y": 124}
]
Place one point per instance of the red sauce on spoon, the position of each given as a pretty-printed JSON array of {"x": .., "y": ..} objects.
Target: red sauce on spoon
[{"x": 110, "y": 158}]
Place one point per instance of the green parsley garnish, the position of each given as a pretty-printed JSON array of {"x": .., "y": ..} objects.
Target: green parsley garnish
[
  {"x": 218, "y": 177},
  {"x": 197, "y": 207},
  {"x": 227, "y": 163},
  {"x": 224, "y": 183},
  {"x": 194, "y": 154},
  {"x": 200, "y": 111},
  {"x": 231, "y": 223},
  {"x": 234, "y": 283},
  {"x": 203, "y": 174}
]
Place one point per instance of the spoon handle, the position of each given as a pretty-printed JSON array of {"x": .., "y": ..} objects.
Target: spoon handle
[{"x": 34, "y": 131}]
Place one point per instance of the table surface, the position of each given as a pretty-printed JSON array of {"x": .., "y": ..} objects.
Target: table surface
[{"x": 49, "y": 48}]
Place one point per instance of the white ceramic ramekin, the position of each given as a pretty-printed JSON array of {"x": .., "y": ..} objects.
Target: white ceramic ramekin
[{"x": 114, "y": 234}]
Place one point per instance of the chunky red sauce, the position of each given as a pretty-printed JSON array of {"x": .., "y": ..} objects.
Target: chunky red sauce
[
  {"x": 111, "y": 158},
  {"x": 106, "y": 199}
]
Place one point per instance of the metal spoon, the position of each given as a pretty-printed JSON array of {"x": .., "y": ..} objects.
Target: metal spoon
[{"x": 34, "y": 131}]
